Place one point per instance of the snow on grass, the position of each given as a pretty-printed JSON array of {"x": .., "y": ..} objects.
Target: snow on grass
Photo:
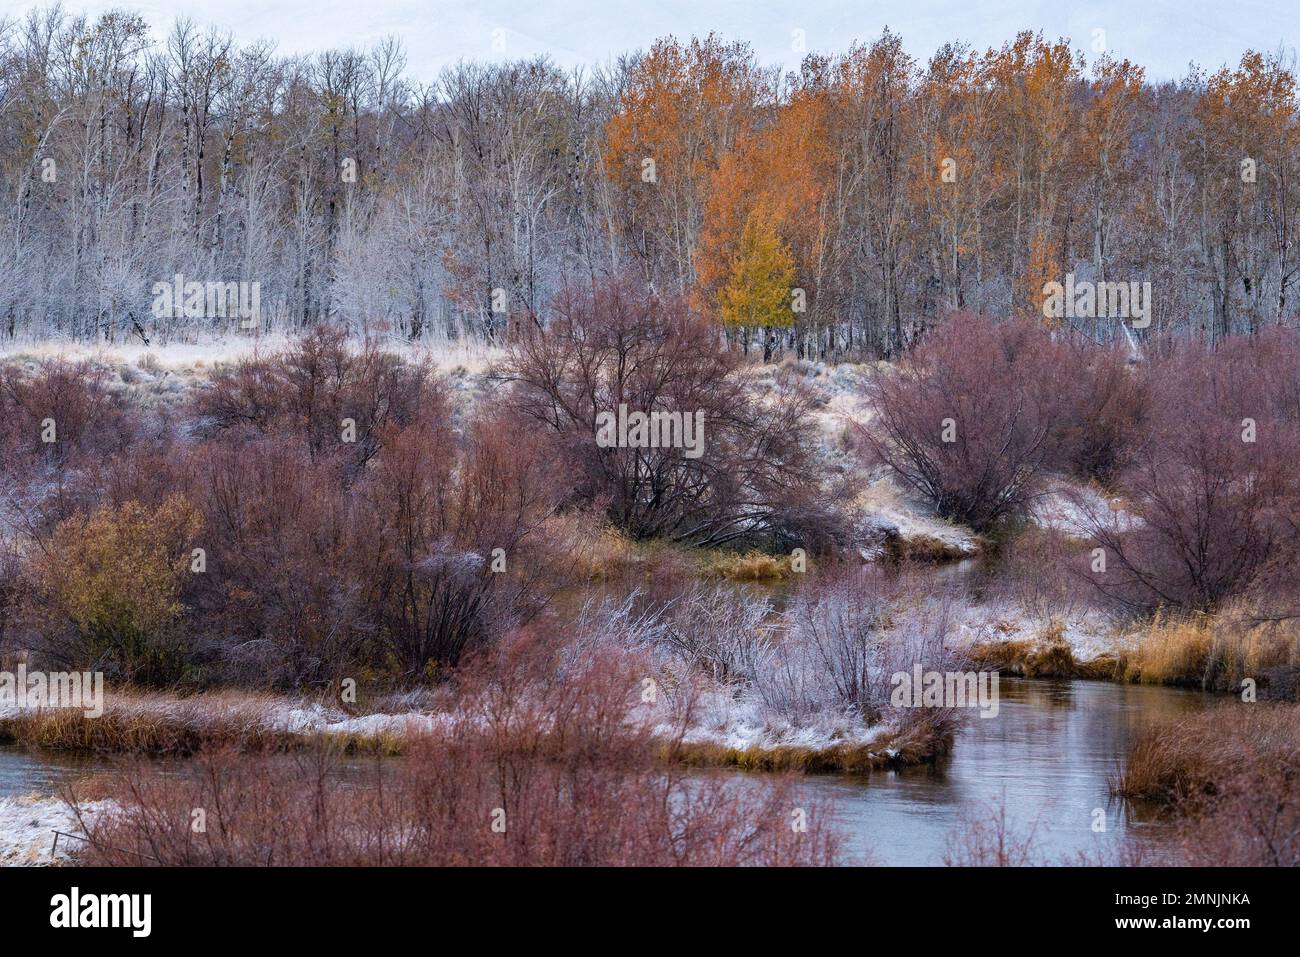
[
  {"x": 1089, "y": 632},
  {"x": 744, "y": 724},
  {"x": 471, "y": 355},
  {"x": 27, "y": 826},
  {"x": 885, "y": 511},
  {"x": 317, "y": 719},
  {"x": 1076, "y": 509}
]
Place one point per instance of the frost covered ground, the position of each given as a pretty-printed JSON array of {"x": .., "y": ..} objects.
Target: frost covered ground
[
  {"x": 1076, "y": 509},
  {"x": 745, "y": 724},
  {"x": 193, "y": 358},
  {"x": 27, "y": 826}
]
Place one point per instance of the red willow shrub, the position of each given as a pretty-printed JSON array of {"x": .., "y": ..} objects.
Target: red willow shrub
[
  {"x": 89, "y": 419},
  {"x": 309, "y": 578},
  {"x": 969, "y": 418},
  {"x": 1254, "y": 821},
  {"x": 320, "y": 561},
  {"x": 314, "y": 385},
  {"x": 613, "y": 343},
  {"x": 1104, "y": 409},
  {"x": 451, "y": 550},
  {"x": 541, "y": 766},
  {"x": 1212, "y": 491},
  {"x": 278, "y": 602}
]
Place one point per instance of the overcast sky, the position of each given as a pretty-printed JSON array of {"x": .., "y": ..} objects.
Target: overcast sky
[{"x": 1162, "y": 35}]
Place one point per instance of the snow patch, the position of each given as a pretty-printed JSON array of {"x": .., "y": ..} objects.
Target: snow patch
[
  {"x": 744, "y": 723},
  {"x": 27, "y": 826}
]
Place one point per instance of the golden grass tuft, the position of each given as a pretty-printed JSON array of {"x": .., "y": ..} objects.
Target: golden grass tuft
[
  {"x": 1170, "y": 651},
  {"x": 1217, "y": 653},
  {"x": 596, "y": 551},
  {"x": 751, "y": 566},
  {"x": 1048, "y": 656}
]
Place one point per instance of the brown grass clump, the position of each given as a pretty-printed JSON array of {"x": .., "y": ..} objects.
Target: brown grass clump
[
  {"x": 152, "y": 724},
  {"x": 1231, "y": 776},
  {"x": 1049, "y": 656},
  {"x": 1218, "y": 653},
  {"x": 923, "y": 549},
  {"x": 595, "y": 550},
  {"x": 1171, "y": 651},
  {"x": 1197, "y": 755},
  {"x": 751, "y": 566}
]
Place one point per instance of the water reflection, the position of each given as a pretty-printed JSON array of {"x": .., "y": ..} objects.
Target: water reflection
[{"x": 1049, "y": 754}]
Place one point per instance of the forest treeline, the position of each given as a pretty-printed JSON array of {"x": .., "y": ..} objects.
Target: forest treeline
[{"x": 851, "y": 203}]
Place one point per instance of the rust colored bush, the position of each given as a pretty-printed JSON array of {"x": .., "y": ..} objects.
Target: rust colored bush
[
  {"x": 1253, "y": 822},
  {"x": 450, "y": 550},
  {"x": 614, "y": 343},
  {"x": 970, "y": 419},
  {"x": 279, "y": 603},
  {"x": 88, "y": 419},
  {"x": 311, "y": 388},
  {"x": 1212, "y": 488},
  {"x": 1103, "y": 412}
]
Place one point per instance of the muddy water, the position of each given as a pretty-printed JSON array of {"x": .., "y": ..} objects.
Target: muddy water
[{"x": 1047, "y": 757}]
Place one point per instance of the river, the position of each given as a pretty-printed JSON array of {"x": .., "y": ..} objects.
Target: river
[{"x": 1048, "y": 757}]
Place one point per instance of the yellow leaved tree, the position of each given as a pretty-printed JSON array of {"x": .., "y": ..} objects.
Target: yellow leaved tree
[
  {"x": 757, "y": 292},
  {"x": 108, "y": 589}
]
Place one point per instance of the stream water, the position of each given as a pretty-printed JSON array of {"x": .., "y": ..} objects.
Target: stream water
[{"x": 1047, "y": 757}]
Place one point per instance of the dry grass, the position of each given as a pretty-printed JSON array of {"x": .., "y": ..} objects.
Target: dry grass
[
  {"x": 157, "y": 724},
  {"x": 751, "y": 566},
  {"x": 1170, "y": 651},
  {"x": 922, "y": 548},
  {"x": 1049, "y": 656},
  {"x": 596, "y": 551},
  {"x": 1182, "y": 760},
  {"x": 1217, "y": 653}
]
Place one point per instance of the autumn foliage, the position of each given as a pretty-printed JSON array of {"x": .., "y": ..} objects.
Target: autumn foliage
[{"x": 108, "y": 590}]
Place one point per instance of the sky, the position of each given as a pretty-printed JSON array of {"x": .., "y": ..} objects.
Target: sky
[{"x": 1162, "y": 35}]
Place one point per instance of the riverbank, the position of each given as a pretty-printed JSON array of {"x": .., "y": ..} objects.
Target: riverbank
[
  {"x": 1026, "y": 764},
  {"x": 726, "y": 734}
]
